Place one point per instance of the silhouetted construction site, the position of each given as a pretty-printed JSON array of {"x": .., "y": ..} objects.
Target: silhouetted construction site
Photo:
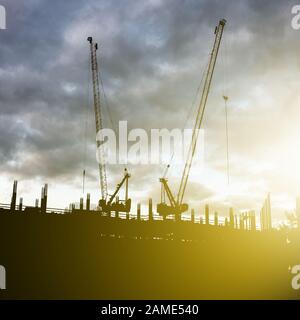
[
  {"x": 88, "y": 254},
  {"x": 245, "y": 221}
]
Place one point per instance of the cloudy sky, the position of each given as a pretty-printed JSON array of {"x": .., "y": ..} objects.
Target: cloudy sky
[{"x": 152, "y": 56}]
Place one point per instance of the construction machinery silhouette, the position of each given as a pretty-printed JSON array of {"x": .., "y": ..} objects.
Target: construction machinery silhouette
[
  {"x": 176, "y": 206},
  {"x": 104, "y": 204}
]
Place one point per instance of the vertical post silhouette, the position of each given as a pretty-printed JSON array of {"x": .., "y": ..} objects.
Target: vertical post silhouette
[
  {"x": 44, "y": 199},
  {"x": 269, "y": 215},
  {"x": 231, "y": 218},
  {"x": 216, "y": 220},
  {"x": 150, "y": 210},
  {"x": 14, "y": 197},
  {"x": 117, "y": 205},
  {"x": 21, "y": 205},
  {"x": 253, "y": 221},
  {"x": 265, "y": 215},
  {"x": 81, "y": 204},
  {"x": 88, "y": 202},
  {"x": 241, "y": 222},
  {"x": 138, "y": 214},
  {"x": 206, "y": 214},
  {"x": 193, "y": 216}
]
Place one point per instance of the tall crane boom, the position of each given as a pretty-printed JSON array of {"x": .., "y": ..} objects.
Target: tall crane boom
[
  {"x": 104, "y": 205},
  {"x": 177, "y": 207},
  {"x": 197, "y": 126},
  {"x": 98, "y": 117}
]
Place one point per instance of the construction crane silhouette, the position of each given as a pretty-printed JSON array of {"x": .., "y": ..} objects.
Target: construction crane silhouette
[
  {"x": 176, "y": 206},
  {"x": 104, "y": 204}
]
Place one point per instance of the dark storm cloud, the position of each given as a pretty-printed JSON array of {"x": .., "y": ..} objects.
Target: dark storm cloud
[{"x": 35, "y": 29}]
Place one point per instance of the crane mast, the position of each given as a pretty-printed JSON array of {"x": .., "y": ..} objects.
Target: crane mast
[
  {"x": 177, "y": 207},
  {"x": 98, "y": 118}
]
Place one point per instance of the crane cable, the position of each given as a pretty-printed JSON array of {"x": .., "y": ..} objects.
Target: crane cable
[
  {"x": 191, "y": 109},
  {"x": 226, "y": 121},
  {"x": 225, "y": 97},
  {"x": 108, "y": 109}
]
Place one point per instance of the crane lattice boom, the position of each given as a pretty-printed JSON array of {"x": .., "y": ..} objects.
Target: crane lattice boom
[
  {"x": 197, "y": 126},
  {"x": 98, "y": 117}
]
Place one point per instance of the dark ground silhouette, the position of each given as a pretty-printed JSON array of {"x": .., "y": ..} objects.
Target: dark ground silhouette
[{"x": 89, "y": 256}]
